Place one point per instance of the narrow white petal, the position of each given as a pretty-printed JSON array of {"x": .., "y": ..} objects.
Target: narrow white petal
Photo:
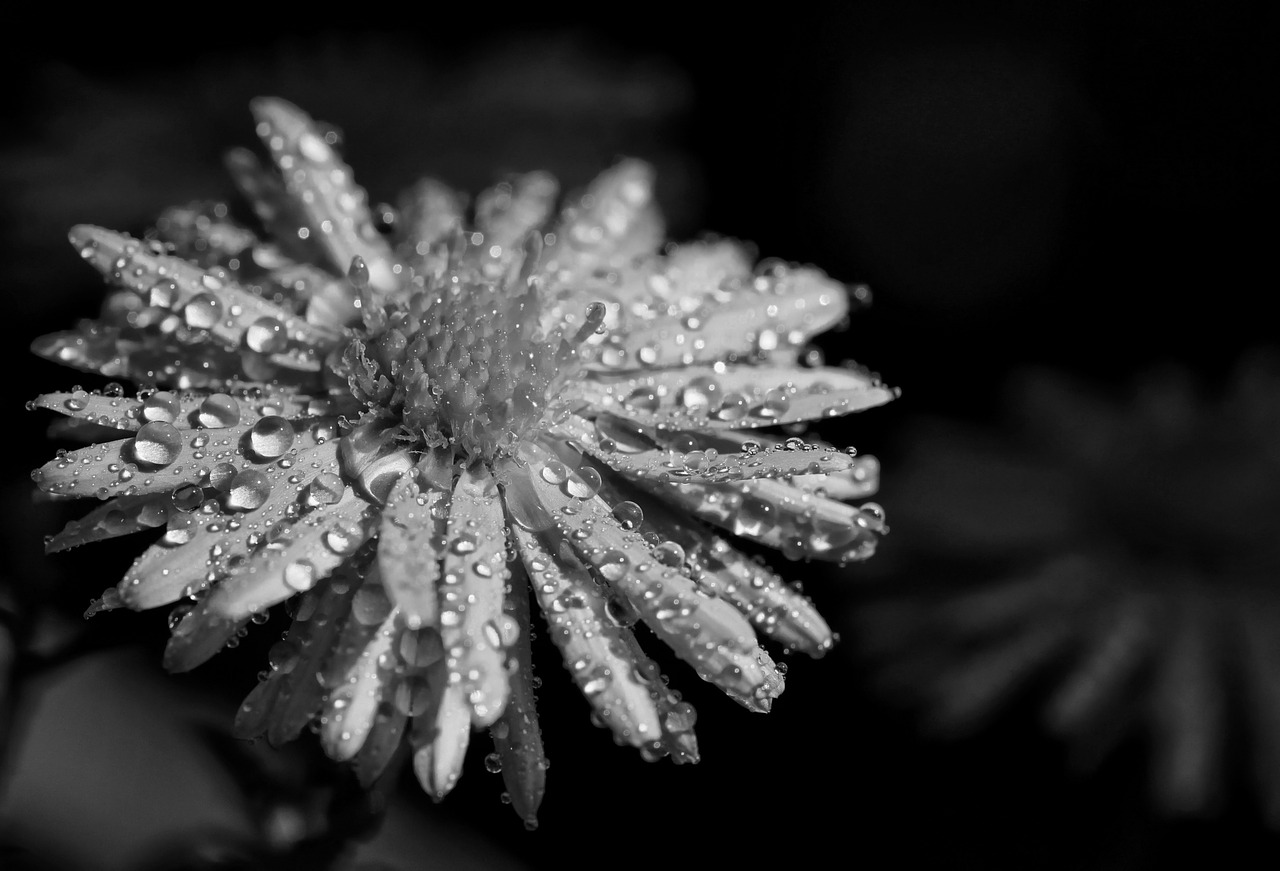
[
  {"x": 473, "y": 625},
  {"x": 290, "y": 697},
  {"x": 324, "y": 187},
  {"x": 735, "y": 396},
  {"x": 440, "y": 738},
  {"x": 614, "y": 222},
  {"x": 411, "y": 547},
  {"x": 206, "y": 544},
  {"x": 205, "y": 300},
  {"x": 360, "y": 670},
  {"x": 123, "y": 515},
  {"x": 517, "y": 736},
  {"x": 706, "y": 632},
  {"x": 776, "y": 311},
  {"x": 509, "y": 211},
  {"x": 284, "y": 568}
]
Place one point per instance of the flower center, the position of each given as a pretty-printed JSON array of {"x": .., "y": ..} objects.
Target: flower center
[{"x": 464, "y": 360}]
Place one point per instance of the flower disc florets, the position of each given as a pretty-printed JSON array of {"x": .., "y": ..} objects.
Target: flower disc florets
[{"x": 463, "y": 360}]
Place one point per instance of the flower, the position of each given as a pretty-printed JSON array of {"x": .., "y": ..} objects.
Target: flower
[
  {"x": 471, "y": 415},
  {"x": 1117, "y": 564}
]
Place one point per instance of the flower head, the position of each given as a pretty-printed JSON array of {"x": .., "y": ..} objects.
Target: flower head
[
  {"x": 407, "y": 424},
  {"x": 1120, "y": 570}
]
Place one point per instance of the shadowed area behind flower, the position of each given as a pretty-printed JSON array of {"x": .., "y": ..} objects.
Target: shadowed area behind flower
[{"x": 1111, "y": 559}]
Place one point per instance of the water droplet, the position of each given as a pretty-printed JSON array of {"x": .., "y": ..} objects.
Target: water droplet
[
  {"x": 161, "y": 406},
  {"x": 187, "y": 497},
  {"x": 325, "y": 488},
  {"x": 613, "y": 565},
  {"x": 157, "y": 444},
  {"x": 248, "y": 491},
  {"x": 202, "y": 311},
  {"x": 775, "y": 403},
  {"x": 628, "y": 514},
  {"x": 218, "y": 411},
  {"x": 343, "y": 538},
  {"x": 555, "y": 472},
  {"x": 221, "y": 476},
  {"x": 733, "y": 407},
  {"x": 182, "y": 528},
  {"x": 300, "y": 576},
  {"x": 583, "y": 484},
  {"x": 700, "y": 392},
  {"x": 493, "y": 763},
  {"x": 464, "y": 542},
  {"x": 271, "y": 437},
  {"x": 642, "y": 399},
  {"x": 266, "y": 336},
  {"x": 669, "y": 554}
]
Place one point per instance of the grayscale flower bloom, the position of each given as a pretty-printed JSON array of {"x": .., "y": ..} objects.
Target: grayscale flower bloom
[
  {"x": 409, "y": 422},
  {"x": 1117, "y": 566}
]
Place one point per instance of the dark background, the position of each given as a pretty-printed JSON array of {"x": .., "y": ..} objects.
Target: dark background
[{"x": 1084, "y": 185}]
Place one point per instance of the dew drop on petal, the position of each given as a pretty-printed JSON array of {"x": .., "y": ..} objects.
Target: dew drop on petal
[
  {"x": 342, "y": 539},
  {"x": 733, "y": 407},
  {"x": 266, "y": 336},
  {"x": 613, "y": 565},
  {"x": 464, "y": 542},
  {"x": 669, "y": 554},
  {"x": 221, "y": 476},
  {"x": 555, "y": 472},
  {"x": 152, "y": 515},
  {"x": 202, "y": 311},
  {"x": 157, "y": 444},
  {"x": 583, "y": 484},
  {"x": 642, "y": 399},
  {"x": 161, "y": 406},
  {"x": 271, "y": 437},
  {"x": 325, "y": 488},
  {"x": 628, "y": 514},
  {"x": 187, "y": 497},
  {"x": 181, "y": 529},
  {"x": 218, "y": 411},
  {"x": 775, "y": 403},
  {"x": 699, "y": 392},
  {"x": 300, "y": 576},
  {"x": 248, "y": 491}
]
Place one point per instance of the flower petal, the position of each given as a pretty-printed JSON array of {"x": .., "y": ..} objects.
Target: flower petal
[
  {"x": 277, "y": 572},
  {"x": 280, "y": 706},
  {"x": 360, "y": 670},
  {"x": 411, "y": 547},
  {"x": 628, "y": 454},
  {"x": 624, "y": 686},
  {"x": 612, "y": 223},
  {"x": 206, "y": 300},
  {"x": 440, "y": 736},
  {"x": 797, "y": 522},
  {"x": 516, "y": 734},
  {"x": 773, "y": 607},
  {"x": 734, "y": 396},
  {"x": 707, "y": 633},
  {"x": 336, "y": 207},
  {"x": 473, "y": 626},
  {"x": 506, "y": 213},
  {"x": 183, "y": 408},
  {"x": 123, "y": 515},
  {"x": 777, "y": 310},
  {"x": 210, "y": 542},
  {"x": 431, "y": 213}
]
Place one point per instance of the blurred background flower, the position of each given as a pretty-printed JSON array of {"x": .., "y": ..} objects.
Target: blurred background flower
[
  {"x": 1060, "y": 184},
  {"x": 1109, "y": 557}
]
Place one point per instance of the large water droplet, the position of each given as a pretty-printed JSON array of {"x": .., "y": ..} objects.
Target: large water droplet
[
  {"x": 271, "y": 437},
  {"x": 300, "y": 576},
  {"x": 583, "y": 484},
  {"x": 613, "y": 565},
  {"x": 642, "y": 399},
  {"x": 187, "y": 497},
  {"x": 734, "y": 407},
  {"x": 157, "y": 444},
  {"x": 219, "y": 410},
  {"x": 202, "y": 311},
  {"x": 343, "y": 538},
  {"x": 628, "y": 514},
  {"x": 325, "y": 488},
  {"x": 700, "y": 392},
  {"x": 266, "y": 336},
  {"x": 463, "y": 543},
  {"x": 221, "y": 476},
  {"x": 161, "y": 406},
  {"x": 248, "y": 491}
]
